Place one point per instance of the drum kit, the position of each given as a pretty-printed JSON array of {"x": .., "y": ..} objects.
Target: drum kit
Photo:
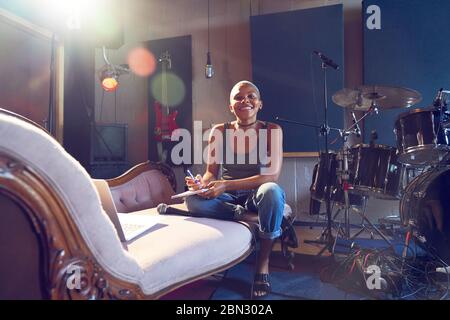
[{"x": 416, "y": 172}]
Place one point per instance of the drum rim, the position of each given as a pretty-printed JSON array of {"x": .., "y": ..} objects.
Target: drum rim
[
  {"x": 329, "y": 152},
  {"x": 416, "y": 110},
  {"x": 374, "y": 146},
  {"x": 423, "y": 147},
  {"x": 378, "y": 193}
]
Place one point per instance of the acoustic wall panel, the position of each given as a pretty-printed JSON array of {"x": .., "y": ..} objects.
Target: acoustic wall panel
[
  {"x": 405, "y": 44},
  {"x": 289, "y": 75}
]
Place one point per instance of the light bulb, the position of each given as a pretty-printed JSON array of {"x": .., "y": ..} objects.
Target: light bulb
[{"x": 110, "y": 84}]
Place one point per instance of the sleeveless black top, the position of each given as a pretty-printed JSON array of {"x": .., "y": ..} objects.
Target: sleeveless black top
[{"x": 240, "y": 166}]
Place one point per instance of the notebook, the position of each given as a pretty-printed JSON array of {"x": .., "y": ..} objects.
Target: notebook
[
  {"x": 128, "y": 226},
  {"x": 188, "y": 193}
]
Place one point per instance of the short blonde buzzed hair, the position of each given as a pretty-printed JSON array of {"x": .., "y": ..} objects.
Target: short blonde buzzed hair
[{"x": 243, "y": 83}]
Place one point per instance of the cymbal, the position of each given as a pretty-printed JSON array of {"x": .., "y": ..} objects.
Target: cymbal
[{"x": 383, "y": 97}]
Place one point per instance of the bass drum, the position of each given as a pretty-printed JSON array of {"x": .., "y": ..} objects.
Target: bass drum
[{"x": 426, "y": 205}]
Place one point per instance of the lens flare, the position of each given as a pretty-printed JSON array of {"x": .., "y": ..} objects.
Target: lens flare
[
  {"x": 168, "y": 89},
  {"x": 141, "y": 61}
]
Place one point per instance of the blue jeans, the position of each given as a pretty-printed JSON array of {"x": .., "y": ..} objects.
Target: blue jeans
[{"x": 268, "y": 201}]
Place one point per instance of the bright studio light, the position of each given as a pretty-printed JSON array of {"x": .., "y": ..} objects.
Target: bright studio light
[
  {"x": 109, "y": 74},
  {"x": 73, "y": 12}
]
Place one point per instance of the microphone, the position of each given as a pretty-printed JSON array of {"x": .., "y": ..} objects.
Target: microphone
[
  {"x": 355, "y": 122},
  {"x": 165, "y": 209},
  {"x": 326, "y": 60},
  {"x": 209, "y": 71}
]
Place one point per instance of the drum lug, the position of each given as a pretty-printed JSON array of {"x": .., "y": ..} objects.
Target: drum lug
[
  {"x": 412, "y": 223},
  {"x": 419, "y": 194}
]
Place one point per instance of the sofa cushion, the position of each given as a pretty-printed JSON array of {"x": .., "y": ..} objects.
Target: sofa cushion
[
  {"x": 179, "y": 248},
  {"x": 146, "y": 190}
]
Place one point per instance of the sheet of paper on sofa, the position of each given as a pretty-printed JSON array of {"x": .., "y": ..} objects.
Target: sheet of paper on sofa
[
  {"x": 128, "y": 226},
  {"x": 135, "y": 225}
]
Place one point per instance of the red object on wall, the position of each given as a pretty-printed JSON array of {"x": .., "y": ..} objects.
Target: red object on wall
[{"x": 165, "y": 122}]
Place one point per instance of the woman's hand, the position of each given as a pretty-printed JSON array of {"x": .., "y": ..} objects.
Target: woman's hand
[
  {"x": 196, "y": 184},
  {"x": 215, "y": 189}
]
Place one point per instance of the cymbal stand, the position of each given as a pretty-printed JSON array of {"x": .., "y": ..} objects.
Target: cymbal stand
[
  {"x": 345, "y": 177},
  {"x": 344, "y": 174},
  {"x": 372, "y": 227},
  {"x": 346, "y": 186}
]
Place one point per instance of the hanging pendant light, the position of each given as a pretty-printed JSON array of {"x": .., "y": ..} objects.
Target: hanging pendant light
[{"x": 209, "y": 71}]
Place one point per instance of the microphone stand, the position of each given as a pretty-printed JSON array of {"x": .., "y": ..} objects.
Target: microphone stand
[
  {"x": 307, "y": 124},
  {"x": 324, "y": 131}
]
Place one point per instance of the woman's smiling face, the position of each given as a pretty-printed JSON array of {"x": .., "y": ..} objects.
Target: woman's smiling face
[{"x": 245, "y": 102}]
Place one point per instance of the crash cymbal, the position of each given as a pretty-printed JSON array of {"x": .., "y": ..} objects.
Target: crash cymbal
[{"x": 383, "y": 97}]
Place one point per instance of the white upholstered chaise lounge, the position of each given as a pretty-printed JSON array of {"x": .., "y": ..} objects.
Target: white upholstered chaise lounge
[{"x": 53, "y": 226}]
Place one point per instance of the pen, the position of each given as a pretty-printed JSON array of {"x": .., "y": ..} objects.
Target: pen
[{"x": 192, "y": 176}]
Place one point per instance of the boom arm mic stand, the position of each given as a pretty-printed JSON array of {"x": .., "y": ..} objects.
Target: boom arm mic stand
[
  {"x": 324, "y": 131},
  {"x": 329, "y": 241}
]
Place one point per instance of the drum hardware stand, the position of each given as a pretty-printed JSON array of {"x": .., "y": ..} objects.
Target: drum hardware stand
[
  {"x": 339, "y": 229},
  {"x": 354, "y": 129},
  {"x": 441, "y": 99},
  {"x": 344, "y": 174},
  {"x": 371, "y": 225}
]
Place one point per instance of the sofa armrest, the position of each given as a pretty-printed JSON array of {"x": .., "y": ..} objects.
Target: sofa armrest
[{"x": 141, "y": 168}]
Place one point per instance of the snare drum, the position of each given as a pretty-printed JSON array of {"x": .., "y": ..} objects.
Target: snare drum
[
  {"x": 375, "y": 171},
  {"x": 421, "y": 139}
]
